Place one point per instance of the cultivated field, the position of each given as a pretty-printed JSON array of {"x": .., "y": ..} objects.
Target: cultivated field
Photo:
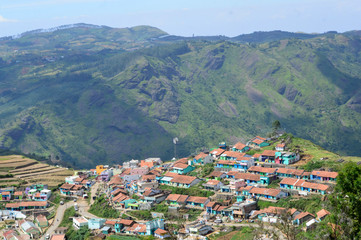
[{"x": 16, "y": 170}]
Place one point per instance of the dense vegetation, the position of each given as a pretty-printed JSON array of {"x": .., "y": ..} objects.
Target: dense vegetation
[
  {"x": 101, "y": 208},
  {"x": 96, "y": 94}
]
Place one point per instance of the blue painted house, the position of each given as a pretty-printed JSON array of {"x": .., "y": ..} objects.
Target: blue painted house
[
  {"x": 240, "y": 147},
  {"x": 96, "y": 223},
  {"x": 181, "y": 168}
]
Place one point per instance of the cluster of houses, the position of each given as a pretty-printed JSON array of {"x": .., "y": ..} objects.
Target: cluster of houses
[
  {"x": 278, "y": 214},
  {"x": 125, "y": 226},
  {"x": 238, "y": 179}
]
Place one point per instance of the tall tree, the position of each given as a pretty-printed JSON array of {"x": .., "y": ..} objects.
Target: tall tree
[{"x": 346, "y": 203}]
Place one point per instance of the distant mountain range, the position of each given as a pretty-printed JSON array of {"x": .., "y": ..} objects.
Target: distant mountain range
[{"x": 89, "y": 94}]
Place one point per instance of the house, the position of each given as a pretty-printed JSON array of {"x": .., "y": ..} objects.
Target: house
[
  {"x": 258, "y": 142},
  {"x": 105, "y": 230},
  {"x": 323, "y": 176},
  {"x": 286, "y": 158},
  {"x": 202, "y": 158},
  {"x": 213, "y": 185},
  {"x": 244, "y": 163},
  {"x": 17, "y": 206},
  {"x": 58, "y": 237},
  {"x": 322, "y": 214},
  {"x": 249, "y": 178},
  {"x": 226, "y": 165},
  {"x": 79, "y": 222},
  {"x": 303, "y": 217},
  {"x": 216, "y": 175},
  {"x": 96, "y": 223},
  {"x": 18, "y": 195},
  {"x": 29, "y": 228},
  {"x": 162, "y": 234},
  {"x": 181, "y": 168},
  {"x": 99, "y": 169},
  {"x": 196, "y": 202},
  {"x": 214, "y": 208},
  {"x": 240, "y": 147},
  {"x": 280, "y": 147},
  {"x": 155, "y": 195},
  {"x": 268, "y": 156},
  {"x": 6, "y": 196},
  {"x": 290, "y": 173},
  {"x": 153, "y": 225},
  {"x": 139, "y": 171},
  {"x": 216, "y": 153},
  {"x": 105, "y": 175},
  {"x": 264, "y": 171},
  {"x": 303, "y": 186},
  {"x": 184, "y": 181},
  {"x": 177, "y": 200},
  {"x": 198, "y": 228},
  {"x": 41, "y": 221},
  {"x": 267, "y": 193},
  {"x": 116, "y": 180},
  {"x": 60, "y": 230},
  {"x": 136, "y": 229},
  {"x": 45, "y": 195},
  {"x": 123, "y": 224},
  {"x": 231, "y": 155}
]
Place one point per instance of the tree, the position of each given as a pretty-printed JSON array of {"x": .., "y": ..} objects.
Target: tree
[
  {"x": 286, "y": 226},
  {"x": 346, "y": 203},
  {"x": 276, "y": 125}
]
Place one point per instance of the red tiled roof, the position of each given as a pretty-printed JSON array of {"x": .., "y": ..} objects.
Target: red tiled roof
[
  {"x": 233, "y": 154},
  {"x": 67, "y": 186},
  {"x": 257, "y": 141},
  {"x": 171, "y": 174},
  {"x": 217, "y": 151},
  {"x": 160, "y": 232},
  {"x": 256, "y": 155},
  {"x": 325, "y": 174},
  {"x": 281, "y": 145},
  {"x": 148, "y": 177},
  {"x": 137, "y": 227},
  {"x": 27, "y": 204},
  {"x": 262, "y": 169},
  {"x": 126, "y": 222},
  {"x": 322, "y": 213},
  {"x": 215, "y": 174},
  {"x": 303, "y": 214},
  {"x": 116, "y": 180},
  {"x": 290, "y": 181},
  {"x": 110, "y": 222},
  {"x": 227, "y": 162},
  {"x": 182, "y": 160},
  {"x": 5, "y": 193},
  {"x": 265, "y": 191},
  {"x": 239, "y": 146},
  {"x": 296, "y": 172},
  {"x": 143, "y": 163},
  {"x": 211, "y": 204},
  {"x": 18, "y": 193},
  {"x": 201, "y": 155},
  {"x": 180, "y": 165},
  {"x": 197, "y": 199},
  {"x": 247, "y": 176},
  {"x": 58, "y": 237},
  {"x": 213, "y": 182},
  {"x": 269, "y": 153},
  {"x": 183, "y": 179}
]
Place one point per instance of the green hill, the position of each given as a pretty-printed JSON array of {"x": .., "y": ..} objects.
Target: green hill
[{"x": 91, "y": 95}]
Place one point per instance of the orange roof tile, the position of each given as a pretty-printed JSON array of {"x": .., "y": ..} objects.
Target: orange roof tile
[
  {"x": 239, "y": 146},
  {"x": 58, "y": 237},
  {"x": 160, "y": 232},
  {"x": 183, "y": 179},
  {"x": 201, "y": 155},
  {"x": 213, "y": 182},
  {"x": 215, "y": 174},
  {"x": 322, "y": 213},
  {"x": 247, "y": 176},
  {"x": 226, "y": 162},
  {"x": 197, "y": 199},
  {"x": 325, "y": 174},
  {"x": 217, "y": 152},
  {"x": 269, "y": 153},
  {"x": 171, "y": 174},
  {"x": 180, "y": 165},
  {"x": 126, "y": 222},
  {"x": 265, "y": 191},
  {"x": 262, "y": 169},
  {"x": 303, "y": 214}
]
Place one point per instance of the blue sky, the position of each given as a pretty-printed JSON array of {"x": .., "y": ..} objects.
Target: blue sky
[{"x": 185, "y": 17}]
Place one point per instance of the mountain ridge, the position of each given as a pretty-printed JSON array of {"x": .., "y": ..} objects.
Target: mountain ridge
[{"x": 88, "y": 99}]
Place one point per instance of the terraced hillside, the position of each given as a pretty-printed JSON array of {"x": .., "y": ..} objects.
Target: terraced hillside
[{"x": 20, "y": 170}]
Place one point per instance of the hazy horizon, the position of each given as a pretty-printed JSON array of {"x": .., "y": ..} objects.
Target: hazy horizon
[{"x": 184, "y": 18}]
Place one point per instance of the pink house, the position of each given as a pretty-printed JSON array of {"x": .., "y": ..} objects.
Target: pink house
[{"x": 139, "y": 171}]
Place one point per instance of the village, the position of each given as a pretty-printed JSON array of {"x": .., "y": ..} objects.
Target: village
[{"x": 196, "y": 197}]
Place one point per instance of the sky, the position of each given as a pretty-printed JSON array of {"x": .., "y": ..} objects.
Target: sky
[{"x": 185, "y": 17}]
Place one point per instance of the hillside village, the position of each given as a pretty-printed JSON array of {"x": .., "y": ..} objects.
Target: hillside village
[{"x": 198, "y": 197}]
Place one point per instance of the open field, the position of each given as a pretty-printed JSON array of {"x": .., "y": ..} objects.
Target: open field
[{"x": 27, "y": 171}]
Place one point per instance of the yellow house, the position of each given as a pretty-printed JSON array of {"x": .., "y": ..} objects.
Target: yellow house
[{"x": 99, "y": 169}]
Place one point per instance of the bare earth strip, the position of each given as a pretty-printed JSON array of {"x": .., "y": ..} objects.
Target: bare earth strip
[
  {"x": 35, "y": 171},
  {"x": 40, "y": 173},
  {"x": 35, "y": 166}
]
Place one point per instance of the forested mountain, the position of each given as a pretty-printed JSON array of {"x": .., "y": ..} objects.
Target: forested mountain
[{"x": 87, "y": 94}]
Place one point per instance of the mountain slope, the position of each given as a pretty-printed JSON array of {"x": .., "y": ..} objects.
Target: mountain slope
[{"x": 104, "y": 103}]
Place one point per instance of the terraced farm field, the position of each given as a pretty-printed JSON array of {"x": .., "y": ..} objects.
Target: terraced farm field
[{"x": 20, "y": 170}]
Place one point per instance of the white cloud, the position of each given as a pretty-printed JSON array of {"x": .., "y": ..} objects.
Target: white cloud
[{"x": 2, "y": 20}]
